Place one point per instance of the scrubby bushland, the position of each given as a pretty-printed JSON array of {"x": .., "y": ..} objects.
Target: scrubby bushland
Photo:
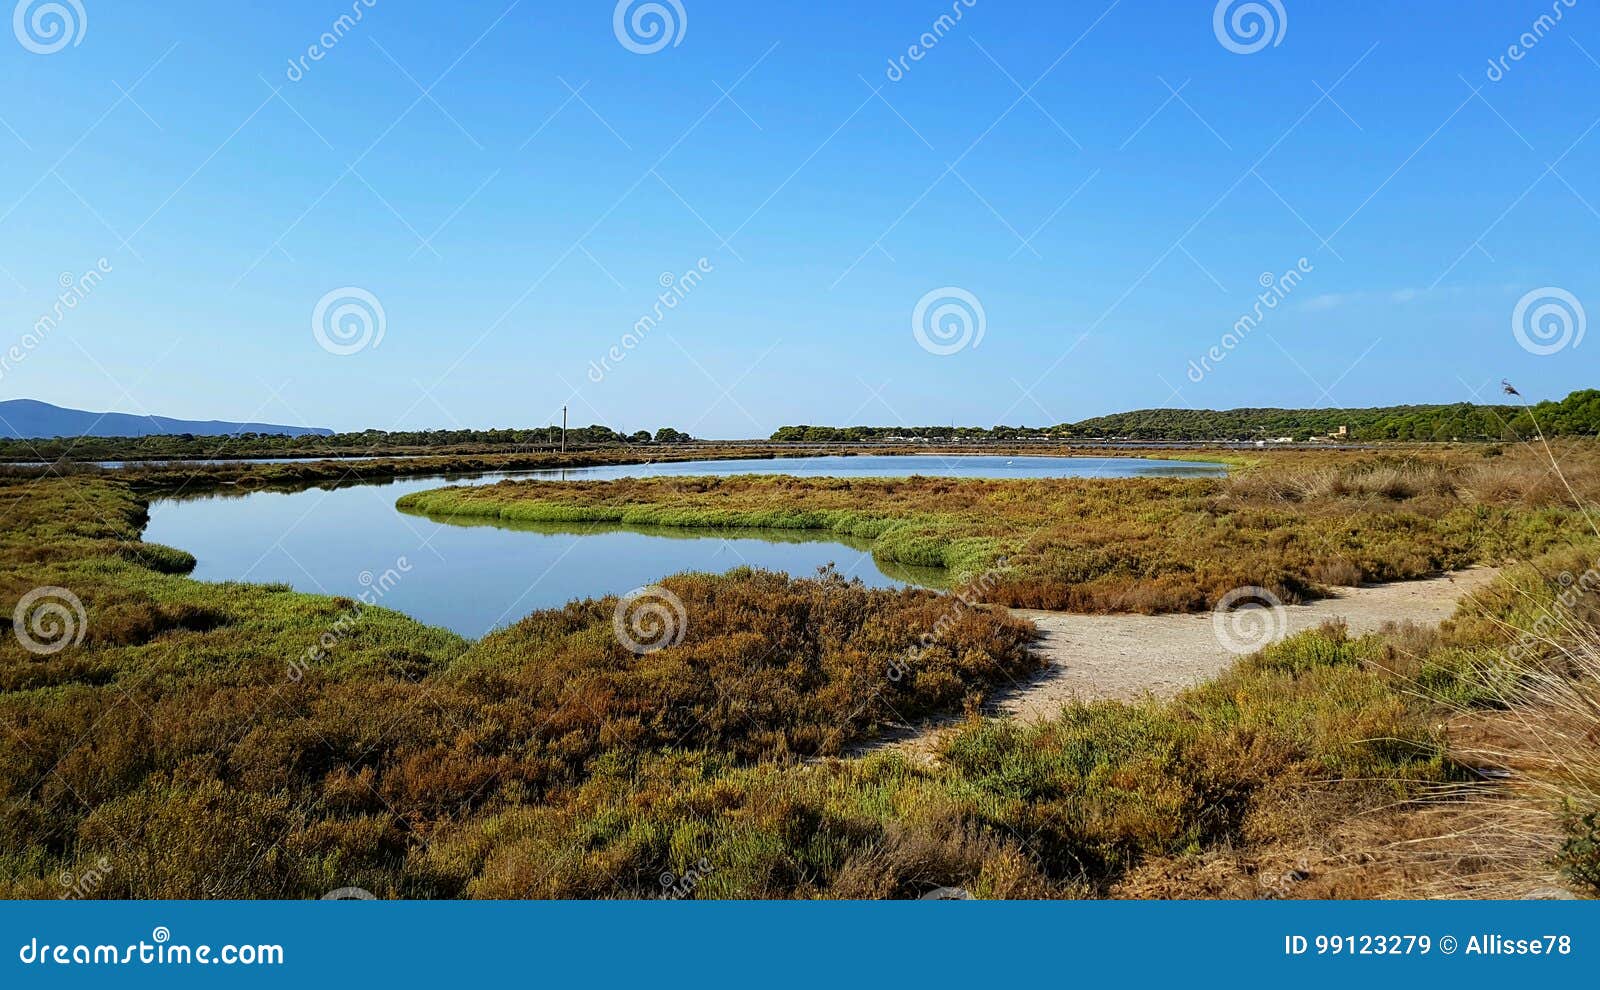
[
  {"x": 767, "y": 666},
  {"x": 1293, "y": 523},
  {"x": 1283, "y": 760},
  {"x": 1311, "y": 731},
  {"x": 1547, "y": 737}
]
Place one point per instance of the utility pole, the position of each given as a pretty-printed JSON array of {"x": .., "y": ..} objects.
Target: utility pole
[{"x": 563, "y": 429}]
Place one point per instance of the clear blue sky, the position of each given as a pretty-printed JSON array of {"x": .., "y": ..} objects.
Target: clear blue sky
[{"x": 514, "y": 232}]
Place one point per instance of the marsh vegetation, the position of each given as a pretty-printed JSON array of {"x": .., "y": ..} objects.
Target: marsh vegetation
[
  {"x": 1295, "y": 523},
  {"x": 549, "y": 760}
]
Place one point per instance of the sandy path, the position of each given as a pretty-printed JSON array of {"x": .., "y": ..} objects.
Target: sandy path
[{"x": 1123, "y": 657}]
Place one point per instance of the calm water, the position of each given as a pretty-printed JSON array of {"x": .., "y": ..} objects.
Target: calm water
[
  {"x": 472, "y": 578},
  {"x": 902, "y": 466}
]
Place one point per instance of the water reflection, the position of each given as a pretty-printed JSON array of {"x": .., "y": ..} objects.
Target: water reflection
[{"x": 475, "y": 575}]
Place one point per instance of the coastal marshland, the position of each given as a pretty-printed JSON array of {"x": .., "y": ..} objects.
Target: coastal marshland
[{"x": 201, "y": 741}]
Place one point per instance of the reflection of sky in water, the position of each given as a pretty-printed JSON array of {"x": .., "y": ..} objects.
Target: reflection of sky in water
[
  {"x": 472, "y": 578},
  {"x": 933, "y": 465}
]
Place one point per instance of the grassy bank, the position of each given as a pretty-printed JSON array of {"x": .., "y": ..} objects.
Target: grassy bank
[
  {"x": 1293, "y": 523},
  {"x": 826, "y": 505}
]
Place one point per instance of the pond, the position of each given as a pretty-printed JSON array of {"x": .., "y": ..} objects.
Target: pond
[
  {"x": 475, "y": 577},
  {"x": 902, "y": 466}
]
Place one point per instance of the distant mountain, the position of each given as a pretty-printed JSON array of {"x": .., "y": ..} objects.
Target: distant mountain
[{"x": 31, "y": 420}]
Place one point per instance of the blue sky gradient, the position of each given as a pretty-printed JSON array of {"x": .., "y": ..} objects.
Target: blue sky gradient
[{"x": 511, "y": 181}]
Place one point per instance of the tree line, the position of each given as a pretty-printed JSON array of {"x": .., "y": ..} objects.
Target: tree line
[
  {"x": 179, "y": 446},
  {"x": 1576, "y": 415}
]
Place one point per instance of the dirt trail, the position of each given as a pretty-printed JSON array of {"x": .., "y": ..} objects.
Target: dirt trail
[{"x": 1122, "y": 657}]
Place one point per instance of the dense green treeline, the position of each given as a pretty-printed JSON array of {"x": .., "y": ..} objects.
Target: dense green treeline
[
  {"x": 369, "y": 442},
  {"x": 1576, "y": 415}
]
